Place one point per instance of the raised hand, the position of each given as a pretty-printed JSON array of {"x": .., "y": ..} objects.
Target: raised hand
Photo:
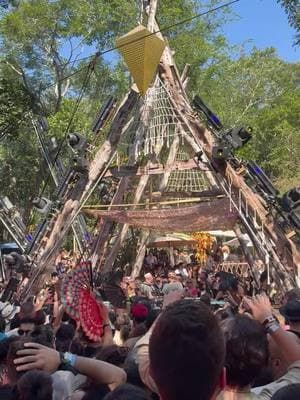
[
  {"x": 260, "y": 306},
  {"x": 37, "y": 356}
]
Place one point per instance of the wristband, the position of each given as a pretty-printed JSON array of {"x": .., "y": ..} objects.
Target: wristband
[
  {"x": 273, "y": 327},
  {"x": 105, "y": 326},
  {"x": 67, "y": 362},
  {"x": 70, "y": 359},
  {"x": 269, "y": 320}
]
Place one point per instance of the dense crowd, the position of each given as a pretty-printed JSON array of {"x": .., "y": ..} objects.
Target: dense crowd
[{"x": 180, "y": 332}]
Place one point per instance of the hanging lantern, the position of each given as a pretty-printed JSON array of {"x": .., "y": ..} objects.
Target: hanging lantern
[{"x": 142, "y": 54}]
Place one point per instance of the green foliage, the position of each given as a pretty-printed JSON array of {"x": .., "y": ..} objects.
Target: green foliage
[
  {"x": 40, "y": 43},
  {"x": 19, "y": 158},
  {"x": 14, "y": 104},
  {"x": 292, "y": 8},
  {"x": 262, "y": 91},
  {"x": 41, "y": 40},
  {"x": 199, "y": 42},
  {"x": 21, "y": 168}
]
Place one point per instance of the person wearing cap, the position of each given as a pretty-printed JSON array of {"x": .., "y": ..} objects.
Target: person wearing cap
[{"x": 291, "y": 312}]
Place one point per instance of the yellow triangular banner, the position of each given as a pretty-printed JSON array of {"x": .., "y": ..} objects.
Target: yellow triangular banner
[{"x": 142, "y": 54}]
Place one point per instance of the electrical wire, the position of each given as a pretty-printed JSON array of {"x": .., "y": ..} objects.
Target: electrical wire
[
  {"x": 164, "y": 29},
  {"x": 91, "y": 65},
  {"x": 75, "y": 109}
]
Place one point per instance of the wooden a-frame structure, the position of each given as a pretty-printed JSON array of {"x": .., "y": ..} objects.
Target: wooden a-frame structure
[{"x": 272, "y": 245}]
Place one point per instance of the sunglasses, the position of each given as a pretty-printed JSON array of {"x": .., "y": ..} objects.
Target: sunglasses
[{"x": 22, "y": 332}]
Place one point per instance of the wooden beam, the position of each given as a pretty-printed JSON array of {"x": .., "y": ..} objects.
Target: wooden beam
[
  {"x": 155, "y": 169},
  {"x": 282, "y": 250},
  {"x": 62, "y": 222},
  {"x": 214, "y": 192}
]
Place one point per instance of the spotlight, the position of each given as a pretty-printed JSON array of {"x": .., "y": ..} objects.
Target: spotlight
[
  {"x": 262, "y": 179},
  {"x": 291, "y": 200},
  {"x": 238, "y": 137},
  {"x": 77, "y": 142},
  {"x": 43, "y": 124},
  {"x": 221, "y": 152},
  {"x": 41, "y": 204},
  {"x": 104, "y": 114},
  {"x": 211, "y": 117}
]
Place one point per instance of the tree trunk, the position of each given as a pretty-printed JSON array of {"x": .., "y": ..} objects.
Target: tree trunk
[
  {"x": 247, "y": 254},
  {"x": 109, "y": 262},
  {"x": 152, "y": 15}
]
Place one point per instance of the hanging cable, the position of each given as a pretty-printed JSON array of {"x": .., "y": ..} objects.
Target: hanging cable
[{"x": 164, "y": 29}]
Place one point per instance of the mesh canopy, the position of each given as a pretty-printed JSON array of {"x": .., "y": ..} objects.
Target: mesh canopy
[
  {"x": 188, "y": 181},
  {"x": 204, "y": 216},
  {"x": 163, "y": 122}
]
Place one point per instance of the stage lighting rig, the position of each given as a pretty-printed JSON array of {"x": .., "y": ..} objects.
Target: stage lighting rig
[
  {"x": 263, "y": 182},
  {"x": 221, "y": 152},
  {"x": 291, "y": 200},
  {"x": 285, "y": 209},
  {"x": 201, "y": 108},
  {"x": 42, "y": 205},
  {"x": 237, "y": 137},
  {"x": 43, "y": 124},
  {"x": 77, "y": 142},
  {"x": 290, "y": 204},
  {"x": 233, "y": 139},
  {"x": 80, "y": 164},
  {"x": 104, "y": 114}
]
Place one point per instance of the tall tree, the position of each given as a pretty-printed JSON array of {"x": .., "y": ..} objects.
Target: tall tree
[
  {"x": 262, "y": 91},
  {"x": 42, "y": 40},
  {"x": 292, "y": 8}
]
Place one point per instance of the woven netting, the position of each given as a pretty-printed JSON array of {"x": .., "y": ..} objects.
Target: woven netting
[
  {"x": 187, "y": 181},
  {"x": 163, "y": 120},
  {"x": 209, "y": 215}
]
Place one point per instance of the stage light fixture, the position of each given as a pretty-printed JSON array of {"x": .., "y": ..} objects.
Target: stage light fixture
[
  {"x": 291, "y": 200},
  {"x": 262, "y": 179},
  {"x": 77, "y": 142},
  {"x": 238, "y": 137},
  {"x": 41, "y": 204},
  {"x": 80, "y": 164},
  {"x": 221, "y": 152},
  {"x": 199, "y": 105}
]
